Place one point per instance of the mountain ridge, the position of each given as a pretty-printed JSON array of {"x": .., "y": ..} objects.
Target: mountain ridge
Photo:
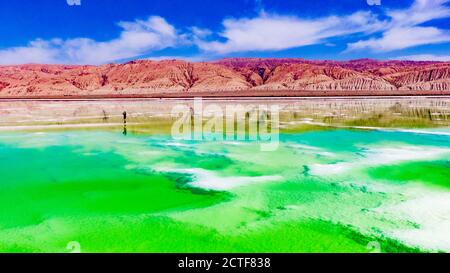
[{"x": 142, "y": 77}]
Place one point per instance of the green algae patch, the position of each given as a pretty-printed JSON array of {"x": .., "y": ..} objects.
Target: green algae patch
[
  {"x": 56, "y": 181},
  {"x": 155, "y": 234},
  {"x": 395, "y": 121},
  {"x": 433, "y": 173}
]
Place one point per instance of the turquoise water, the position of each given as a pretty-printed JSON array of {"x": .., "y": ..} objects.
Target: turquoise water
[{"x": 329, "y": 190}]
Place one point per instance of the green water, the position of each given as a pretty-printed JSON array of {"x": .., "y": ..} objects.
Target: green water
[{"x": 334, "y": 190}]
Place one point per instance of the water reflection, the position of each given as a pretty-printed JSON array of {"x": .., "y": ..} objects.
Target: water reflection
[{"x": 391, "y": 112}]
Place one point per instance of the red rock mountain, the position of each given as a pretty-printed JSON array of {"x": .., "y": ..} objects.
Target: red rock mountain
[{"x": 150, "y": 77}]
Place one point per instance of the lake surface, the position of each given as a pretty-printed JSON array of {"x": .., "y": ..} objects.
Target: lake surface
[{"x": 347, "y": 176}]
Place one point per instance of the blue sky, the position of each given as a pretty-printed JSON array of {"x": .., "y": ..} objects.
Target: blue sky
[{"x": 104, "y": 31}]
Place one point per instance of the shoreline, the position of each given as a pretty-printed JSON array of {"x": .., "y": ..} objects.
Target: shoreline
[
  {"x": 224, "y": 97},
  {"x": 246, "y": 94}
]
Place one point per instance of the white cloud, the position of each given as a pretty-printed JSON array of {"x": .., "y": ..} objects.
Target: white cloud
[
  {"x": 200, "y": 32},
  {"x": 37, "y": 51},
  {"x": 137, "y": 38},
  {"x": 404, "y": 30},
  {"x": 275, "y": 32},
  {"x": 424, "y": 57},
  {"x": 421, "y": 11},
  {"x": 403, "y": 37},
  {"x": 401, "y": 29}
]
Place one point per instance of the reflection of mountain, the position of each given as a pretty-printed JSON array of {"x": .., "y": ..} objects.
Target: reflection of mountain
[{"x": 146, "y": 77}]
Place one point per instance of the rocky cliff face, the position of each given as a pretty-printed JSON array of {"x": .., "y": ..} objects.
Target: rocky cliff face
[{"x": 146, "y": 77}]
